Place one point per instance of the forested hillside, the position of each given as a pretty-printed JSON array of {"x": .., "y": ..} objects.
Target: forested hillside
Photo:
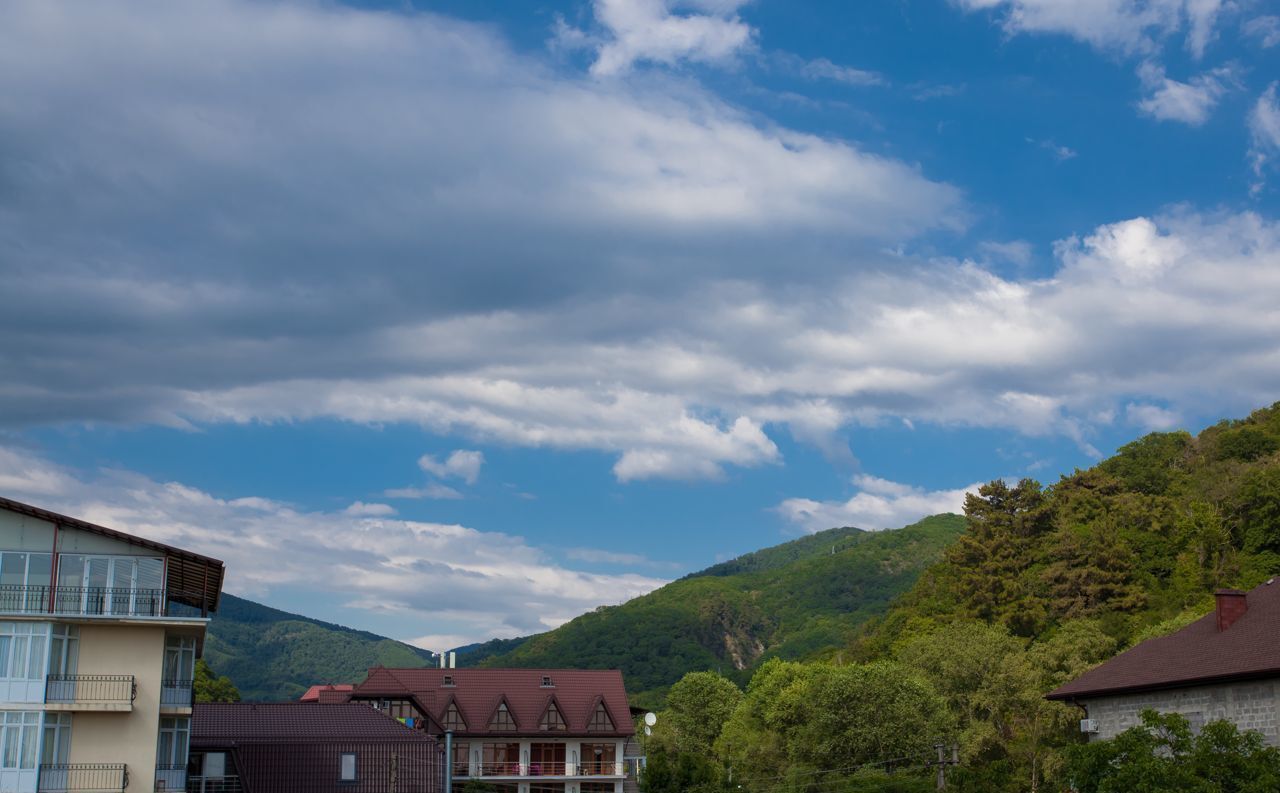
[
  {"x": 274, "y": 655},
  {"x": 785, "y": 602},
  {"x": 1044, "y": 583}
]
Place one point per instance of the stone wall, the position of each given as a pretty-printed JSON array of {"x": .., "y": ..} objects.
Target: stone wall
[{"x": 1253, "y": 705}]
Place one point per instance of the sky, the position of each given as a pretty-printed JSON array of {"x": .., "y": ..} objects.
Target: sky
[{"x": 453, "y": 320}]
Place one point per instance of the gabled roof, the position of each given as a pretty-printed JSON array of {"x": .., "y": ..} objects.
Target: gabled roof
[
  {"x": 478, "y": 692},
  {"x": 245, "y": 722},
  {"x": 1196, "y": 655},
  {"x": 313, "y": 693},
  {"x": 191, "y": 578}
]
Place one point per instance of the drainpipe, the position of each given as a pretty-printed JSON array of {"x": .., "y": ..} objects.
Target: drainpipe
[{"x": 448, "y": 762}]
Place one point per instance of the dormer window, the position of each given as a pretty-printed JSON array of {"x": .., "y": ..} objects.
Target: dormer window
[
  {"x": 448, "y": 681},
  {"x": 552, "y": 721},
  {"x": 453, "y": 721},
  {"x": 600, "y": 721},
  {"x": 546, "y": 682},
  {"x": 502, "y": 721}
]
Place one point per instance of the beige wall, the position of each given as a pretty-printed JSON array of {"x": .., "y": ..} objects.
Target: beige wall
[{"x": 122, "y": 737}]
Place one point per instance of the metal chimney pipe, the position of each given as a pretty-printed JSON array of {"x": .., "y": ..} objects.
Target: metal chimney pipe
[{"x": 453, "y": 660}]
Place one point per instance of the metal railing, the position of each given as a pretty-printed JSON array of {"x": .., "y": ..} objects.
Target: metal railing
[
  {"x": 501, "y": 769},
  {"x": 214, "y": 784},
  {"x": 600, "y": 768},
  {"x": 90, "y": 689},
  {"x": 84, "y": 778},
  {"x": 100, "y": 601},
  {"x": 170, "y": 778},
  {"x": 176, "y": 693}
]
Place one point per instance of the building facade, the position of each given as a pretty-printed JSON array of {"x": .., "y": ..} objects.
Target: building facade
[
  {"x": 517, "y": 730},
  {"x": 296, "y": 747},
  {"x": 99, "y": 634},
  {"x": 1225, "y": 666}
]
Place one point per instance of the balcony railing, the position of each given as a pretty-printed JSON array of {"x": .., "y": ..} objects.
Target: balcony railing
[
  {"x": 90, "y": 690},
  {"x": 84, "y": 778},
  {"x": 176, "y": 694},
  {"x": 170, "y": 778},
  {"x": 101, "y": 601},
  {"x": 214, "y": 784},
  {"x": 602, "y": 768}
]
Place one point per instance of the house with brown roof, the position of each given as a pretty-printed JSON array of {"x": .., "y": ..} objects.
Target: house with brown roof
[
  {"x": 1225, "y": 665},
  {"x": 518, "y": 730},
  {"x": 288, "y": 747}
]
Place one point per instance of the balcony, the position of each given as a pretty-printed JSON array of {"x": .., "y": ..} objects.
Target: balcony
[
  {"x": 214, "y": 784},
  {"x": 603, "y": 768},
  {"x": 106, "y": 602},
  {"x": 170, "y": 778},
  {"x": 90, "y": 692},
  {"x": 84, "y": 778},
  {"x": 176, "y": 694}
]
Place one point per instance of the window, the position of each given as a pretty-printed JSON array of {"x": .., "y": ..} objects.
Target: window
[
  {"x": 546, "y": 681},
  {"x": 57, "y": 739},
  {"x": 215, "y": 765},
  {"x": 19, "y": 739},
  {"x": 448, "y": 681},
  {"x": 461, "y": 759},
  {"x": 175, "y": 738},
  {"x": 179, "y": 658},
  {"x": 347, "y": 767},
  {"x": 22, "y": 650},
  {"x": 547, "y": 787},
  {"x": 600, "y": 721},
  {"x": 110, "y": 585},
  {"x": 551, "y": 719},
  {"x": 596, "y": 787},
  {"x": 453, "y": 721},
  {"x": 502, "y": 721},
  {"x": 499, "y": 759},
  {"x": 64, "y": 650},
  {"x": 24, "y": 581},
  {"x": 546, "y": 759},
  {"x": 598, "y": 758}
]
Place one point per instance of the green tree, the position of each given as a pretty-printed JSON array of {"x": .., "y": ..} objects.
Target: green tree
[
  {"x": 1162, "y": 755},
  {"x": 697, "y": 708},
  {"x": 680, "y": 772},
  {"x": 211, "y": 688}
]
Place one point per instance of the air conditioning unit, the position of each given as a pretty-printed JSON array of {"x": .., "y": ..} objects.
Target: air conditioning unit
[{"x": 1089, "y": 726}]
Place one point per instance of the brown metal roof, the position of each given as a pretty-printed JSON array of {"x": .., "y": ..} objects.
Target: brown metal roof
[
  {"x": 1196, "y": 655},
  {"x": 219, "y": 723},
  {"x": 477, "y": 693},
  {"x": 192, "y": 577}
]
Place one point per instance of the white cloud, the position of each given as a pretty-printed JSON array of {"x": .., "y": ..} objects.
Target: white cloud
[
  {"x": 1152, "y": 418},
  {"x": 1264, "y": 129},
  {"x": 1017, "y": 252},
  {"x": 434, "y": 490},
  {"x": 656, "y": 31},
  {"x": 462, "y": 464},
  {"x": 441, "y": 578},
  {"x": 363, "y": 510},
  {"x": 1191, "y": 102},
  {"x": 1266, "y": 29},
  {"x": 1129, "y": 26},
  {"x": 878, "y": 504},
  {"x": 823, "y": 69},
  {"x": 1060, "y": 153}
]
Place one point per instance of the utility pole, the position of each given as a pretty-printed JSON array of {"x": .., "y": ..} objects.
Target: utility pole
[{"x": 943, "y": 761}]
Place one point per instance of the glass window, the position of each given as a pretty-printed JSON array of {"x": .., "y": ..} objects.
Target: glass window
[
  {"x": 64, "y": 650},
  {"x": 501, "y": 758},
  {"x": 174, "y": 740},
  {"x": 502, "y": 721},
  {"x": 598, "y": 758},
  {"x": 461, "y": 762},
  {"x": 551, "y": 719},
  {"x": 13, "y": 569},
  {"x": 596, "y": 787},
  {"x": 39, "y": 566},
  {"x": 215, "y": 765},
  {"x": 348, "y": 767},
  {"x": 453, "y": 721},
  {"x": 600, "y": 721},
  {"x": 57, "y": 739},
  {"x": 179, "y": 658},
  {"x": 20, "y": 740},
  {"x": 22, "y": 650}
]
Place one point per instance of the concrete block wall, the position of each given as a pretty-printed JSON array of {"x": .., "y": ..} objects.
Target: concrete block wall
[{"x": 1253, "y": 705}]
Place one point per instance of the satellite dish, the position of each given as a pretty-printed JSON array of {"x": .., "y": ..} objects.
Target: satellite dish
[
  {"x": 648, "y": 731},
  {"x": 650, "y": 719}
]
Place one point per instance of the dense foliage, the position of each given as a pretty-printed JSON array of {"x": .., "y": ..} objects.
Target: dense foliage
[
  {"x": 274, "y": 655},
  {"x": 1043, "y": 583},
  {"x": 1162, "y": 755},
  {"x": 787, "y": 602},
  {"x": 209, "y": 687}
]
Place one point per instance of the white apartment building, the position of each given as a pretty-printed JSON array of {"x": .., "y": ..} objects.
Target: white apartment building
[{"x": 99, "y": 634}]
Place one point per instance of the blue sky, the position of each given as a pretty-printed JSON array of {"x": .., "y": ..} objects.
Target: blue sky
[{"x": 453, "y": 320}]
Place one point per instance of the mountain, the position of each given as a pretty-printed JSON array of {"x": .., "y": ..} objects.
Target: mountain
[
  {"x": 788, "y": 601},
  {"x": 274, "y": 655},
  {"x": 1136, "y": 544}
]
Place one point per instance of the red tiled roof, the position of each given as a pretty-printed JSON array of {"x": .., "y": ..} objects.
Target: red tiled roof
[
  {"x": 313, "y": 693},
  {"x": 477, "y": 693},
  {"x": 1197, "y": 654},
  {"x": 220, "y": 722}
]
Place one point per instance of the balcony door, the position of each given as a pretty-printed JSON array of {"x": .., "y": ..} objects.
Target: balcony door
[{"x": 118, "y": 585}]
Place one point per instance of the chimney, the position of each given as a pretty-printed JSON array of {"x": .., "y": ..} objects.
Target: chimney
[
  {"x": 1231, "y": 606},
  {"x": 453, "y": 659},
  {"x": 443, "y": 656}
]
